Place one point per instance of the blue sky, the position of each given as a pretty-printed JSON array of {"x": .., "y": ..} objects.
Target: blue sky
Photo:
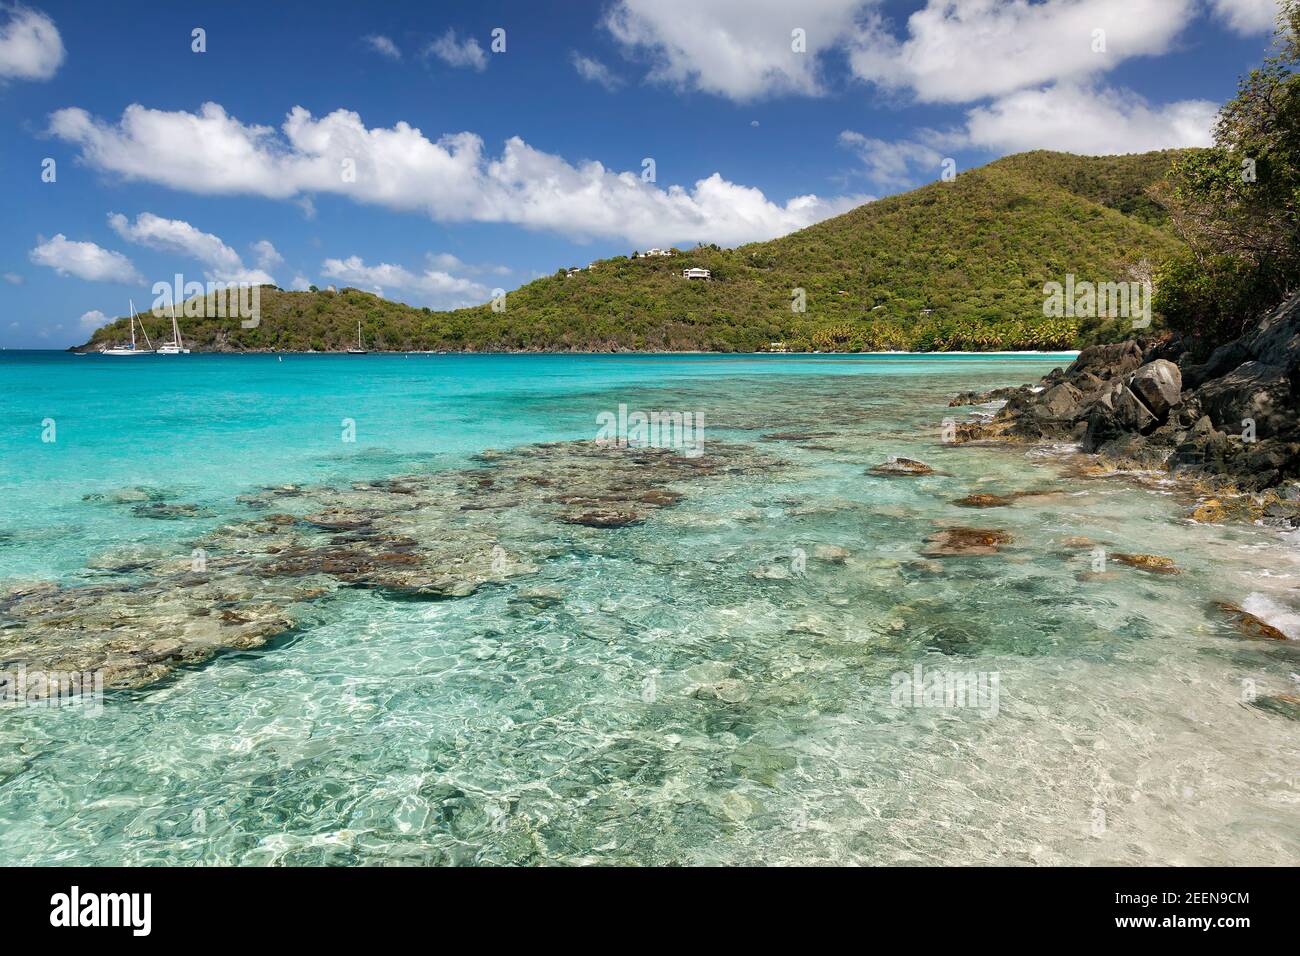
[{"x": 388, "y": 146}]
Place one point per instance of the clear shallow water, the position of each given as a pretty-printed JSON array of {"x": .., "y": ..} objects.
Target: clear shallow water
[{"x": 680, "y": 696}]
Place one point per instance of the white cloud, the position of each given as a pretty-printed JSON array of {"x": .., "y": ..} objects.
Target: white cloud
[
  {"x": 431, "y": 287},
  {"x": 958, "y": 52},
  {"x": 458, "y": 53},
  {"x": 593, "y": 71},
  {"x": 177, "y": 236},
  {"x": 1089, "y": 121},
  {"x": 893, "y": 164},
  {"x": 450, "y": 180},
  {"x": 446, "y": 262},
  {"x": 85, "y": 260},
  {"x": 740, "y": 49},
  {"x": 227, "y": 156},
  {"x": 383, "y": 46},
  {"x": 13, "y": 278},
  {"x": 300, "y": 283},
  {"x": 1247, "y": 17},
  {"x": 92, "y": 320},
  {"x": 268, "y": 257},
  {"x": 30, "y": 45}
]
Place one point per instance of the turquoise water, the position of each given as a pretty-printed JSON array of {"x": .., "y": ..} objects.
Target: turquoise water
[{"x": 678, "y": 691}]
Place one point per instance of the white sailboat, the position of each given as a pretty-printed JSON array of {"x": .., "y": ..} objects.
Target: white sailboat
[
  {"x": 361, "y": 346},
  {"x": 132, "y": 350},
  {"x": 175, "y": 346}
]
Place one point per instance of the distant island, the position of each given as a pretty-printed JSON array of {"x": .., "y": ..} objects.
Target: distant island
[{"x": 952, "y": 266}]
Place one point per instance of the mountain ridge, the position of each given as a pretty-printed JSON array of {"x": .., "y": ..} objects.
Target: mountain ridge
[{"x": 947, "y": 266}]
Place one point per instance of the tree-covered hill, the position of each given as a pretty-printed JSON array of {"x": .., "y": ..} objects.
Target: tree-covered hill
[{"x": 952, "y": 265}]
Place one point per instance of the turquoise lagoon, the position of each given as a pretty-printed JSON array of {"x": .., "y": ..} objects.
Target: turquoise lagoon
[{"x": 691, "y": 697}]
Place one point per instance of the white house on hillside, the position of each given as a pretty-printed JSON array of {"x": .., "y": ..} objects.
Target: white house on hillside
[
  {"x": 696, "y": 274},
  {"x": 651, "y": 253}
]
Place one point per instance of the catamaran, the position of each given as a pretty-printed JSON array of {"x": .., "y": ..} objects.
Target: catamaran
[
  {"x": 175, "y": 346},
  {"x": 361, "y": 346},
  {"x": 132, "y": 350}
]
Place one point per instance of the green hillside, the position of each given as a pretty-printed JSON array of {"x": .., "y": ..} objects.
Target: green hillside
[{"x": 952, "y": 265}]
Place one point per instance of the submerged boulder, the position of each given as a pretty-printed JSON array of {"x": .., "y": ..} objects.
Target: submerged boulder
[
  {"x": 1284, "y": 705},
  {"x": 1247, "y": 624},
  {"x": 901, "y": 467},
  {"x": 982, "y": 500},
  {"x": 964, "y": 542},
  {"x": 1155, "y": 563},
  {"x": 603, "y": 518}
]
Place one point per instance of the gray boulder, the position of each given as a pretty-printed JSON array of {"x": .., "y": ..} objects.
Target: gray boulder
[
  {"x": 1251, "y": 391},
  {"x": 1060, "y": 401},
  {"x": 1106, "y": 362},
  {"x": 1132, "y": 414},
  {"x": 1103, "y": 424},
  {"x": 1276, "y": 341},
  {"x": 1222, "y": 360},
  {"x": 1159, "y": 385}
]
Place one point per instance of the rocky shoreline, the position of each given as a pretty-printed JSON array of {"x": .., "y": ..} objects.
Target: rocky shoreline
[
  {"x": 446, "y": 535},
  {"x": 1230, "y": 423}
]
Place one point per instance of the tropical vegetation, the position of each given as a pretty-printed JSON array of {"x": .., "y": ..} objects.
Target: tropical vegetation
[{"x": 954, "y": 265}]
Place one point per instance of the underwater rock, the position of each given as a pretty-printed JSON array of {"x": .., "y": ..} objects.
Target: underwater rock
[
  {"x": 830, "y": 553},
  {"x": 1284, "y": 705},
  {"x": 983, "y": 500},
  {"x": 406, "y": 537},
  {"x": 659, "y": 497},
  {"x": 1155, "y": 563},
  {"x": 901, "y": 467},
  {"x": 983, "y": 398},
  {"x": 540, "y": 599},
  {"x": 728, "y": 690},
  {"x": 925, "y": 567},
  {"x": 1210, "y": 511},
  {"x": 128, "y": 496},
  {"x": 1247, "y": 624},
  {"x": 165, "y": 512},
  {"x": 604, "y": 518},
  {"x": 137, "y": 634},
  {"x": 794, "y": 436},
  {"x": 128, "y": 557},
  {"x": 962, "y": 542},
  {"x": 339, "y": 519}
]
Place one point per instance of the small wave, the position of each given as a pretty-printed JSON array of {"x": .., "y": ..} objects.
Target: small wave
[{"x": 1269, "y": 611}]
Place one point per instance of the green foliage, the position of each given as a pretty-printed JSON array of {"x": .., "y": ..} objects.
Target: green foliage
[
  {"x": 951, "y": 266},
  {"x": 1121, "y": 183},
  {"x": 1237, "y": 206},
  {"x": 1214, "y": 297}
]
